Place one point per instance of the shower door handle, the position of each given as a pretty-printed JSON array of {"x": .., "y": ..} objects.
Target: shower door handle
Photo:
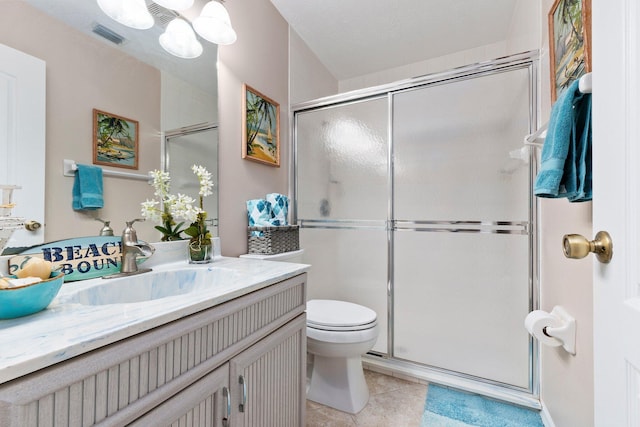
[{"x": 576, "y": 246}]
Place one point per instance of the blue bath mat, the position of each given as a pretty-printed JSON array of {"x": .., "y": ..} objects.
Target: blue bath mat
[{"x": 446, "y": 407}]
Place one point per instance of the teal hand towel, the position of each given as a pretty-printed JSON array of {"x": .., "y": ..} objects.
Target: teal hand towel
[
  {"x": 582, "y": 138},
  {"x": 87, "y": 188},
  {"x": 565, "y": 169}
]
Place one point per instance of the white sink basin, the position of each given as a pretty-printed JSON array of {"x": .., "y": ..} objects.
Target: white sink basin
[{"x": 152, "y": 286}]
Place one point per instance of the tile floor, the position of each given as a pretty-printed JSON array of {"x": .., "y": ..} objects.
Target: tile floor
[{"x": 393, "y": 402}]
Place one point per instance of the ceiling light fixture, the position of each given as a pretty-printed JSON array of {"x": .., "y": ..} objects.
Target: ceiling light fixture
[
  {"x": 214, "y": 24},
  {"x": 131, "y": 13},
  {"x": 180, "y": 40},
  {"x": 174, "y": 4}
]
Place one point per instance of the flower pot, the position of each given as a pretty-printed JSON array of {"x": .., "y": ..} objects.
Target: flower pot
[
  {"x": 200, "y": 253},
  {"x": 166, "y": 252}
]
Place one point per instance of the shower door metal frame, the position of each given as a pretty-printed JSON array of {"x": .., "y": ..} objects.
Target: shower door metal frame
[
  {"x": 527, "y": 60},
  {"x": 165, "y": 158}
]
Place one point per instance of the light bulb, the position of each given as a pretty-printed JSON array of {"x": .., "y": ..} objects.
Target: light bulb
[
  {"x": 180, "y": 40},
  {"x": 214, "y": 24}
]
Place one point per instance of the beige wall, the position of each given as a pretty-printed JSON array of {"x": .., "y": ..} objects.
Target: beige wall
[
  {"x": 310, "y": 79},
  {"x": 79, "y": 78},
  {"x": 259, "y": 58},
  {"x": 567, "y": 381},
  {"x": 184, "y": 105},
  {"x": 524, "y": 28}
]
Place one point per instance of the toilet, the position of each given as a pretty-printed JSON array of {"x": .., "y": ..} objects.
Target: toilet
[{"x": 338, "y": 334}]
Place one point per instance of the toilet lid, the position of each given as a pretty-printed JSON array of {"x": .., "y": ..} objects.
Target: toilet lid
[{"x": 337, "y": 315}]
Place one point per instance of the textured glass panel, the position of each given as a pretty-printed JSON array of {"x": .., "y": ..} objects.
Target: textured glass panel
[
  {"x": 452, "y": 145},
  {"x": 349, "y": 265},
  {"x": 197, "y": 148},
  {"x": 342, "y": 161},
  {"x": 460, "y": 303}
]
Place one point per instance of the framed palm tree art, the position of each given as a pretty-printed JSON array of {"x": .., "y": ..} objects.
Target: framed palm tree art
[
  {"x": 115, "y": 140},
  {"x": 569, "y": 43},
  {"x": 260, "y": 128}
]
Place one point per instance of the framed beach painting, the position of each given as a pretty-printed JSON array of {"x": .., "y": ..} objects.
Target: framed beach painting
[
  {"x": 569, "y": 43},
  {"x": 260, "y": 128},
  {"x": 115, "y": 140}
]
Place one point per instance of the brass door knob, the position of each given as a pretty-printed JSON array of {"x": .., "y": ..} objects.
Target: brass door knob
[
  {"x": 32, "y": 225},
  {"x": 576, "y": 246}
]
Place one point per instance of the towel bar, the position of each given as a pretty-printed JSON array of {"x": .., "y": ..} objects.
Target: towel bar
[
  {"x": 585, "y": 83},
  {"x": 537, "y": 138},
  {"x": 69, "y": 168}
]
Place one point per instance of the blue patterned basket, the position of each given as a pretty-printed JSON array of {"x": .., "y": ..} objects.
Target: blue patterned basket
[{"x": 273, "y": 240}]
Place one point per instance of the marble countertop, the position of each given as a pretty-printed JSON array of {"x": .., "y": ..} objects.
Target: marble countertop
[{"x": 65, "y": 329}]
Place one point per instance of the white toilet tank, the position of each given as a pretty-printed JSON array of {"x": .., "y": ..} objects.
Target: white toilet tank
[{"x": 293, "y": 256}]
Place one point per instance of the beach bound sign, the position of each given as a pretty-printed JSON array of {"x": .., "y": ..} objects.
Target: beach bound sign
[{"x": 79, "y": 259}]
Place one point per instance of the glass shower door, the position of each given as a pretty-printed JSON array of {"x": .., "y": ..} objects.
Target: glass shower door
[
  {"x": 194, "y": 146},
  {"x": 342, "y": 203},
  {"x": 462, "y": 239}
]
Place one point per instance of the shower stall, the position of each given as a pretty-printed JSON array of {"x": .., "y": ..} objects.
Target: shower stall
[{"x": 415, "y": 199}]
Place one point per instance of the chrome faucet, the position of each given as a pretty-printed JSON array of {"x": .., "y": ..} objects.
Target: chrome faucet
[{"x": 132, "y": 248}]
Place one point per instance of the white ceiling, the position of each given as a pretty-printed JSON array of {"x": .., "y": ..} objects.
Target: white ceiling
[{"x": 357, "y": 37}]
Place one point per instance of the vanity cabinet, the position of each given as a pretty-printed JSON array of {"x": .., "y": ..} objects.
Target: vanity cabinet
[
  {"x": 240, "y": 363},
  {"x": 260, "y": 387},
  {"x": 204, "y": 403}
]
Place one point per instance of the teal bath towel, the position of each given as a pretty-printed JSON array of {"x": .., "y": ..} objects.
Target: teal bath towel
[
  {"x": 87, "y": 188},
  {"x": 565, "y": 169}
]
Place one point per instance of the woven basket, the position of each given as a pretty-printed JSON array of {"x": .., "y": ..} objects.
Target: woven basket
[{"x": 273, "y": 240}]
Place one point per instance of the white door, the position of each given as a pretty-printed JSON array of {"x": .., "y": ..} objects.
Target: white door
[
  {"x": 616, "y": 209},
  {"x": 22, "y": 138}
]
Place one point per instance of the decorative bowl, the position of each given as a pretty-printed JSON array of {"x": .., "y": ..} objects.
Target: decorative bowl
[{"x": 25, "y": 300}]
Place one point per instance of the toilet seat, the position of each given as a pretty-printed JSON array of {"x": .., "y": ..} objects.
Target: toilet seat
[
  {"x": 339, "y": 316},
  {"x": 341, "y": 328},
  {"x": 344, "y": 337}
]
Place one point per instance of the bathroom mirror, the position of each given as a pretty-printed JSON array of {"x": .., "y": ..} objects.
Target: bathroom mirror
[
  {"x": 183, "y": 148},
  {"x": 87, "y": 17},
  {"x": 187, "y": 89}
]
